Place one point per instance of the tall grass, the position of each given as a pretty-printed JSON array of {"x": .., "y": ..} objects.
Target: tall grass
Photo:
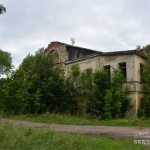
[{"x": 19, "y": 138}]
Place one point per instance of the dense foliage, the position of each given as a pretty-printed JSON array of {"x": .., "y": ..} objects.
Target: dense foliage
[
  {"x": 94, "y": 94},
  {"x": 39, "y": 86},
  {"x": 5, "y": 62},
  {"x": 145, "y": 103},
  {"x": 35, "y": 87}
]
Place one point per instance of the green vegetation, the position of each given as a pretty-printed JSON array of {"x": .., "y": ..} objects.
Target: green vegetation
[
  {"x": 26, "y": 138},
  {"x": 39, "y": 86},
  {"x": 35, "y": 87},
  {"x": 5, "y": 62},
  {"x": 111, "y": 99},
  {"x": 145, "y": 103},
  {"x": 95, "y": 95},
  {"x": 76, "y": 120}
]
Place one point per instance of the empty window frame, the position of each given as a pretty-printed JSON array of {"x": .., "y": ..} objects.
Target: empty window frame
[
  {"x": 141, "y": 72},
  {"x": 107, "y": 68},
  {"x": 122, "y": 67}
]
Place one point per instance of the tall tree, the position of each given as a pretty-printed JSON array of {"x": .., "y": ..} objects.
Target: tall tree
[
  {"x": 116, "y": 100},
  {"x": 5, "y": 62},
  {"x": 146, "y": 99},
  {"x": 86, "y": 89},
  {"x": 44, "y": 90},
  {"x": 101, "y": 85},
  {"x": 37, "y": 86},
  {"x": 2, "y": 9}
]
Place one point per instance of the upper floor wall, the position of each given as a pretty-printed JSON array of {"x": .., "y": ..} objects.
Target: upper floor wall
[
  {"x": 131, "y": 64},
  {"x": 123, "y": 61}
]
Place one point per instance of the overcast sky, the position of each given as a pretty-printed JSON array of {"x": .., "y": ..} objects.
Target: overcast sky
[{"x": 104, "y": 25}]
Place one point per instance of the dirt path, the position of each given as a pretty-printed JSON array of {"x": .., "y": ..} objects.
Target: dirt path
[{"x": 107, "y": 131}]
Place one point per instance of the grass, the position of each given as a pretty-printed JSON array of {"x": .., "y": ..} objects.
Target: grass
[
  {"x": 19, "y": 138},
  {"x": 75, "y": 120}
]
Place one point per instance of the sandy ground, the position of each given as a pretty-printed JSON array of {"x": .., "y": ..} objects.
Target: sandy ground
[{"x": 106, "y": 131}]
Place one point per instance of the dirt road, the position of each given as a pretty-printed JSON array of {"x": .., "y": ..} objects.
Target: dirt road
[{"x": 107, "y": 131}]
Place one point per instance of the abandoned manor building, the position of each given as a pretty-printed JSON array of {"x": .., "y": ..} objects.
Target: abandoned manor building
[{"x": 129, "y": 61}]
